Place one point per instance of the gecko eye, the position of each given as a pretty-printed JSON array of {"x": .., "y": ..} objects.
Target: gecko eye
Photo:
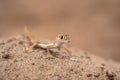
[
  {"x": 64, "y": 36},
  {"x": 61, "y": 37}
]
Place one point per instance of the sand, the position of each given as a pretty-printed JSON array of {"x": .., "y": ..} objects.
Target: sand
[{"x": 17, "y": 64}]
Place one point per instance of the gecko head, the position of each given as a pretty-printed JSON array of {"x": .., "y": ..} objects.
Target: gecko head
[{"x": 63, "y": 38}]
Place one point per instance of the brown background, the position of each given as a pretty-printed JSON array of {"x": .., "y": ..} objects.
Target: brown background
[{"x": 94, "y": 25}]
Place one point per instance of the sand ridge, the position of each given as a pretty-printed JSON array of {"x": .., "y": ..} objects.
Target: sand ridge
[{"x": 17, "y": 64}]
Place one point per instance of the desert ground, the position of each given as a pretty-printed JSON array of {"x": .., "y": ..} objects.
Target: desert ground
[
  {"x": 18, "y": 64},
  {"x": 93, "y": 25}
]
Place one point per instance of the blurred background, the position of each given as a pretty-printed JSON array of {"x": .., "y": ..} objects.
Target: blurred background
[{"x": 94, "y": 25}]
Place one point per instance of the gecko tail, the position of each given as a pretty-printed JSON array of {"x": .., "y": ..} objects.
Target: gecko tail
[{"x": 29, "y": 35}]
